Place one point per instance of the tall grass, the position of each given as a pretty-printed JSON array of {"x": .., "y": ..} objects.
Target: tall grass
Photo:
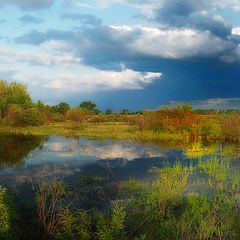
[
  {"x": 7, "y": 216},
  {"x": 163, "y": 208}
]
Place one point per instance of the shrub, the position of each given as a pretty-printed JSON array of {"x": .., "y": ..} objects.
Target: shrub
[
  {"x": 210, "y": 128},
  {"x": 231, "y": 127},
  {"x": 74, "y": 225},
  {"x": 179, "y": 118},
  {"x": 19, "y": 116},
  {"x": 5, "y": 225},
  {"x": 49, "y": 198},
  {"x": 113, "y": 228},
  {"x": 77, "y": 114}
]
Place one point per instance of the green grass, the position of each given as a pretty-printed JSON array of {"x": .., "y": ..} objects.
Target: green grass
[
  {"x": 7, "y": 215},
  {"x": 116, "y": 130},
  {"x": 162, "y": 208}
]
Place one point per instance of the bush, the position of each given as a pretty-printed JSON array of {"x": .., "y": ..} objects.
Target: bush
[
  {"x": 210, "y": 128},
  {"x": 177, "y": 119},
  {"x": 77, "y": 114},
  {"x": 75, "y": 225},
  {"x": 19, "y": 116},
  {"x": 112, "y": 228},
  {"x": 231, "y": 127}
]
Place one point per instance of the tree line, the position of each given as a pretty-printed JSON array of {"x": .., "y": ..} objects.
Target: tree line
[{"x": 18, "y": 109}]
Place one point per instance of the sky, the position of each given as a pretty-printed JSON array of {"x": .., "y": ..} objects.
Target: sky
[{"x": 134, "y": 54}]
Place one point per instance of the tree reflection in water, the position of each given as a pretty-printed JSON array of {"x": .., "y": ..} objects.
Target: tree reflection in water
[{"x": 14, "y": 148}]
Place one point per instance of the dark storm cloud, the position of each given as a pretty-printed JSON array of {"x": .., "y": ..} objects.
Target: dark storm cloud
[
  {"x": 192, "y": 13},
  {"x": 183, "y": 7},
  {"x": 28, "y": 4},
  {"x": 189, "y": 43},
  {"x": 104, "y": 45},
  {"x": 215, "y": 24},
  {"x": 181, "y": 82},
  {"x": 83, "y": 18},
  {"x": 28, "y": 19},
  {"x": 213, "y": 103}
]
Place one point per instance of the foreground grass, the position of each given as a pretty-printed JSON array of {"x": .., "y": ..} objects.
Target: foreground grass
[
  {"x": 114, "y": 130},
  {"x": 164, "y": 208}
]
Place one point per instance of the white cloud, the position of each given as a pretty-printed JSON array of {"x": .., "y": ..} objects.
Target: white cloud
[
  {"x": 236, "y": 7},
  {"x": 56, "y": 45},
  {"x": 101, "y": 80},
  {"x": 236, "y": 31},
  {"x": 12, "y": 55},
  {"x": 57, "y": 81},
  {"x": 173, "y": 43},
  {"x": 109, "y": 150},
  {"x": 51, "y": 67}
]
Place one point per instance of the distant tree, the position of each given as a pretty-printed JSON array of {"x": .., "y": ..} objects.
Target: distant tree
[
  {"x": 108, "y": 111},
  {"x": 186, "y": 106},
  {"x": 88, "y": 105},
  {"x": 125, "y": 111},
  {"x": 63, "y": 107},
  {"x": 97, "y": 111}
]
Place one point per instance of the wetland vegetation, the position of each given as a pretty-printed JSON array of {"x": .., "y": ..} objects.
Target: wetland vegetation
[{"x": 78, "y": 173}]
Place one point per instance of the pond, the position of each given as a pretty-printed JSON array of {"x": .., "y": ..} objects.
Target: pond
[
  {"x": 24, "y": 157},
  {"x": 28, "y": 158},
  {"x": 97, "y": 172}
]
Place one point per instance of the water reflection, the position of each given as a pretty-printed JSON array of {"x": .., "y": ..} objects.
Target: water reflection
[
  {"x": 72, "y": 148},
  {"x": 14, "y": 148},
  {"x": 24, "y": 157},
  {"x": 66, "y": 156}
]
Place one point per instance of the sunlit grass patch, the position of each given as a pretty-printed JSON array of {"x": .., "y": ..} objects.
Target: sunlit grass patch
[{"x": 5, "y": 215}]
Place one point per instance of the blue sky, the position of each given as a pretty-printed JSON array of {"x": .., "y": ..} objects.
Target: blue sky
[{"x": 124, "y": 53}]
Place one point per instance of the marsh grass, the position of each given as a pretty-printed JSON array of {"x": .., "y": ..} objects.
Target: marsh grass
[
  {"x": 51, "y": 203},
  {"x": 161, "y": 208},
  {"x": 112, "y": 130},
  {"x": 7, "y": 216}
]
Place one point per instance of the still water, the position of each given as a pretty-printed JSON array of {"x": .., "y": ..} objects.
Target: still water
[{"x": 28, "y": 158}]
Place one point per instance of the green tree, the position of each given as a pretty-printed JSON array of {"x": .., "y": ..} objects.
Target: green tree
[
  {"x": 88, "y": 105},
  {"x": 18, "y": 94},
  {"x": 13, "y": 93},
  {"x": 63, "y": 107},
  {"x": 125, "y": 111},
  {"x": 108, "y": 111}
]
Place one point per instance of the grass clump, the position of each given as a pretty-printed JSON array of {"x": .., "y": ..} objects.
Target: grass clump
[{"x": 7, "y": 216}]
